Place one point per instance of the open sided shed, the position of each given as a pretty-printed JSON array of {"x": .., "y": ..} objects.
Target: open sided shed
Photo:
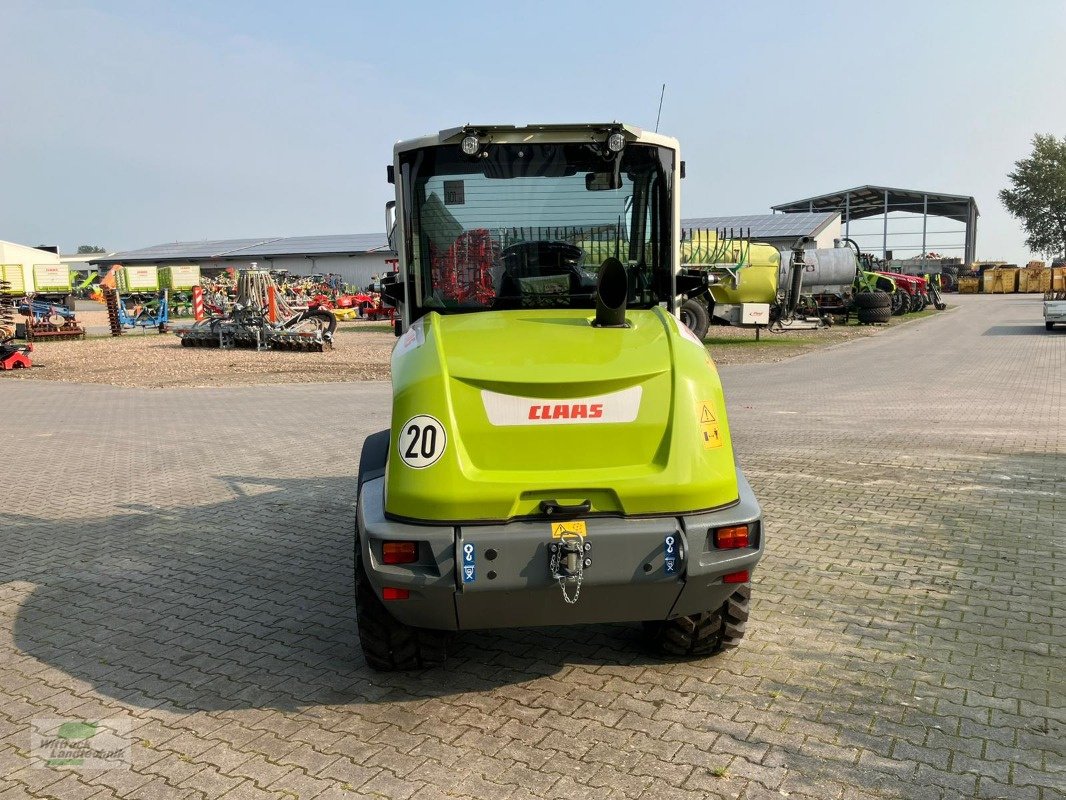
[{"x": 866, "y": 202}]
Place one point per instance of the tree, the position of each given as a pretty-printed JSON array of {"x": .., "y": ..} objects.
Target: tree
[
  {"x": 1038, "y": 195},
  {"x": 87, "y": 249}
]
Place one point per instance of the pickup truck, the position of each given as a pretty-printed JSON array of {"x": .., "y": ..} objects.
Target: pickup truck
[{"x": 1054, "y": 309}]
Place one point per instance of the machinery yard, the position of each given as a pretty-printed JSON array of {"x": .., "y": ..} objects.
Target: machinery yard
[
  {"x": 577, "y": 402},
  {"x": 361, "y": 352},
  {"x": 905, "y": 646}
]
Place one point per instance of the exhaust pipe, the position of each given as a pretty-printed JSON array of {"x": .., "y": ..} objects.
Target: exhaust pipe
[{"x": 612, "y": 292}]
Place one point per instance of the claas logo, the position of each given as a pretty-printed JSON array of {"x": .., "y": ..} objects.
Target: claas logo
[{"x": 567, "y": 411}]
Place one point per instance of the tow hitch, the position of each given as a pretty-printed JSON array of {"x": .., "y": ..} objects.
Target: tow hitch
[{"x": 570, "y": 557}]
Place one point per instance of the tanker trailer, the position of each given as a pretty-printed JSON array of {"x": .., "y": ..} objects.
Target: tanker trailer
[{"x": 743, "y": 283}]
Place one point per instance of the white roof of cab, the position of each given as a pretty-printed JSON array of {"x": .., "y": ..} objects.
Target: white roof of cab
[{"x": 547, "y": 132}]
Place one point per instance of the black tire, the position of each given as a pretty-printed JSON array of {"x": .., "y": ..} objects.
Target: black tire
[
  {"x": 901, "y": 303},
  {"x": 917, "y": 303},
  {"x": 874, "y": 316},
  {"x": 695, "y": 315},
  {"x": 388, "y": 644},
  {"x": 875, "y": 299},
  {"x": 706, "y": 633},
  {"x": 1049, "y": 325}
]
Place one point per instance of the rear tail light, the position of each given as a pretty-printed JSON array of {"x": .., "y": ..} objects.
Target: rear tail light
[
  {"x": 392, "y": 593},
  {"x": 737, "y": 577},
  {"x": 399, "y": 552},
  {"x": 732, "y": 537}
]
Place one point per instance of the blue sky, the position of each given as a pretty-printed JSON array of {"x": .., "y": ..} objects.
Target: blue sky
[{"x": 128, "y": 124}]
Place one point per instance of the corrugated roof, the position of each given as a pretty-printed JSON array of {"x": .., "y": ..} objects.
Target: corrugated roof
[
  {"x": 319, "y": 245},
  {"x": 767, "y": 226},
  {"x": 261, "y": 247},
  {"x": 869, "y": 201}
]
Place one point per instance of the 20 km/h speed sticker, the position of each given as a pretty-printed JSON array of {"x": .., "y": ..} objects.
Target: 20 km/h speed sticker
[{"x": 421, "y": 441}]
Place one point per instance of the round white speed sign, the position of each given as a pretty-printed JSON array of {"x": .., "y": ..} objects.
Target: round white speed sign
[{"x": 421, "y": 441}]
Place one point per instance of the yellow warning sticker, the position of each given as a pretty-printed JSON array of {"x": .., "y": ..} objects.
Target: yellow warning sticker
[
  {"x": 705, "y": 412},
  {"x": 572, "y": 528},
  {"x": 708, "y": 422},
  {"x": 711, "y": 436}
]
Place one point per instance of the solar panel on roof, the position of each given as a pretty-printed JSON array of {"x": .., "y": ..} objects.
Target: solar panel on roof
[
  {"x": 264, "y": 246},
  {"x": 296, "y": 245},
  {"x": 766, "y": 225}
]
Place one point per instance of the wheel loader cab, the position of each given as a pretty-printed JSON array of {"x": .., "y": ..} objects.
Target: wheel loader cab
[
  {"x": 527, "y": 219},
  {"x": 559, "y": 450}
]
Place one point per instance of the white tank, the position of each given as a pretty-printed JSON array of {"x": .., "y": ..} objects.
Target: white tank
[{"x": 828, "y": 270}]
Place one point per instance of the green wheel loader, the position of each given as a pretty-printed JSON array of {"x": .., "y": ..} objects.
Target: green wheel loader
[{"x": 559, "y": 451}]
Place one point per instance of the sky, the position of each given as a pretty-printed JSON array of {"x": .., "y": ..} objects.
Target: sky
[{"x": 128, "y": 124}]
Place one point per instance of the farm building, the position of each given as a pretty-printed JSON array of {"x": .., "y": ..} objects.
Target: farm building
[
  {"x": 780, "y": 230},
  {"x": 355, "y": 257}
]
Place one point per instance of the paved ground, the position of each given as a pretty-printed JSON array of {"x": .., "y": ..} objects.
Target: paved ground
[{"x": 180, "y": 560}]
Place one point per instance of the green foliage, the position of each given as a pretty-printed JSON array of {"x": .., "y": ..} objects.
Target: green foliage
[
  {"x": 88, "y": 249},
  {"x": 1037, "y": 195}
]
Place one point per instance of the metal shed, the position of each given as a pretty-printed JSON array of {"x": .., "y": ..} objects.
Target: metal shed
[
  {"x": 864, "y": 202},
  {"x": 355, "y": 257}
]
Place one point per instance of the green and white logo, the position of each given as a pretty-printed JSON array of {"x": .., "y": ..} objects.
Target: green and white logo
[{"x": 100, "y": 744}]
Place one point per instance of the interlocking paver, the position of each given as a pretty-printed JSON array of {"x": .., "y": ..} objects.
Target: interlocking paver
[{"x": 186, "y": 565}]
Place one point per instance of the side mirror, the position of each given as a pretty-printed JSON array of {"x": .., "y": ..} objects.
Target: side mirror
[
  {"x": 393, "y": 290},
  {"x": 603, "y": 181},
  {"x": 390, "y": 221}
]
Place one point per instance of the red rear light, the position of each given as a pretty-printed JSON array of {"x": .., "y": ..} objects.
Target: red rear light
[
  {"x": 399, "y": 552},
  {"x": 392, "y": 593},
  {"x": 732, "y": 537},
  {"x": 737, "y": 577}
]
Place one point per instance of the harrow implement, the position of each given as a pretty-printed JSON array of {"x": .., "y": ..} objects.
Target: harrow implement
[
  {"x": 254, "y": 322},
  {"x": 229, "y": 334}
]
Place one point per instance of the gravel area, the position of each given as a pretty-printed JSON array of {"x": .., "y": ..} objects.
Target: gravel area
[{"x": 361, "y": 352}]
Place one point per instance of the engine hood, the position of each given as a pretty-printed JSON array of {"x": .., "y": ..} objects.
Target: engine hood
[{"x": 495, "y": 412}]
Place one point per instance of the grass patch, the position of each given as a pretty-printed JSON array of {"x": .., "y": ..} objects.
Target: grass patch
[
  {"x": 365, "y": 327},
  {"x": 768, "y": 339}
]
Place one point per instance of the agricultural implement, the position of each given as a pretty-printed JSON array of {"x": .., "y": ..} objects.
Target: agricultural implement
[
  {"x": 153, "y": 313},
  {"x": 261, "y": 320},
  {"x": 50, "y": 321},
  {"x": 15, "y": 356},
  {"x": 745, "y": 284}
]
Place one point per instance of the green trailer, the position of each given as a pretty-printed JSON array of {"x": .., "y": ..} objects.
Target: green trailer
[
  {"x": 51, "y": 279},
  {"x": 181, "y": 278},
  {"x": 16, "y": 280},
  {"x": 137, "y": 280}
]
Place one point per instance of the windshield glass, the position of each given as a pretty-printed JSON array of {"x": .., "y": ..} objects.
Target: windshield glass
[{"x": 529, "y": 225}]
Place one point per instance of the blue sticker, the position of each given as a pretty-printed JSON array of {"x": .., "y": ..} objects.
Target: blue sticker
[
  {"x": 469, "y": 563},
  {"x": 671, "y": 554}
]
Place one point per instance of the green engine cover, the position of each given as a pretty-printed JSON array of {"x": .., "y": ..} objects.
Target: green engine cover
[{"x": 495, "y": 412}]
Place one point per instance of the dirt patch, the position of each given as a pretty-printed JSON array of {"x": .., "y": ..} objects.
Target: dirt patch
[
  {"x": 362, "y": 352},
  {"x": 155, "y": 361}
]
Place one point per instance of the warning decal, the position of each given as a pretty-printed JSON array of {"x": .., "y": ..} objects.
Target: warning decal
[
  {"x": 708, "y": 422},
  {"x": 706, "y": 412},
  {"x": 573, "y": 528}
]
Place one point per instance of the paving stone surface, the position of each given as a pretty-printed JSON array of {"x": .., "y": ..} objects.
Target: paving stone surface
[{"x": 180, "y": 561}]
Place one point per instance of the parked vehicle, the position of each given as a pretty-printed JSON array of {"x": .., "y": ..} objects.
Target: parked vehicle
[{"x": 559, "y": 452}]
